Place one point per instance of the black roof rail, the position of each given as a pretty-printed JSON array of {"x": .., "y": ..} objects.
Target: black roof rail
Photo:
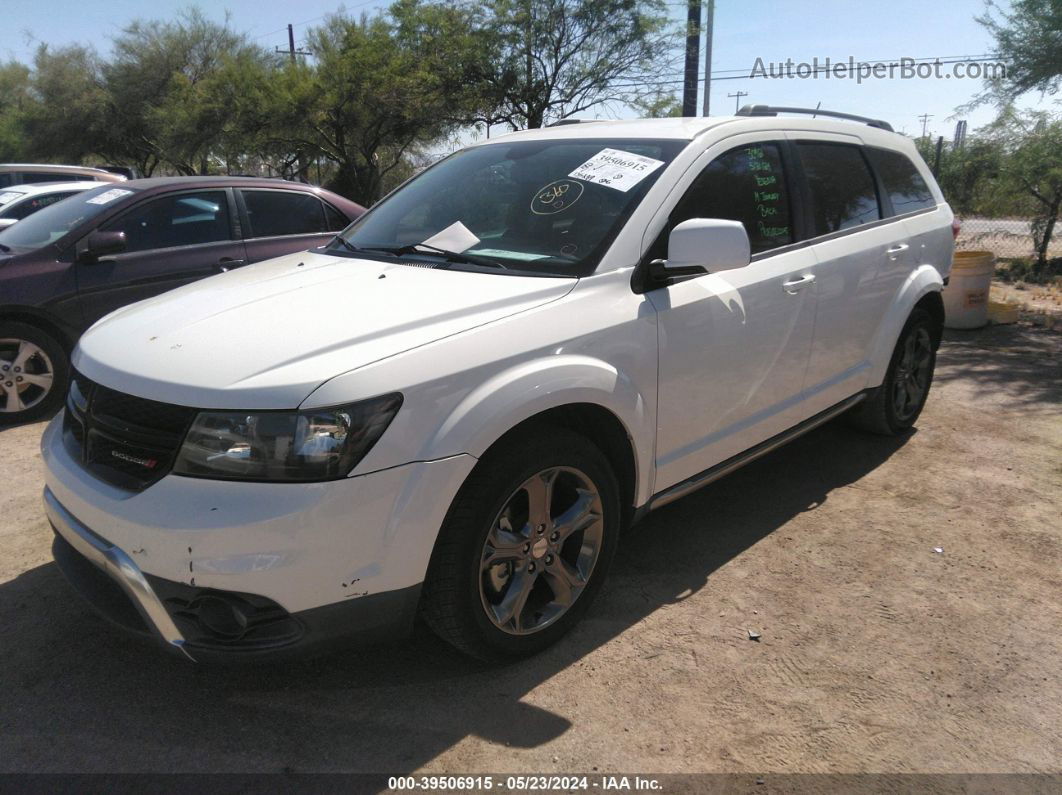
[
  {"x": 563, "y": 122},
  {"x": 773, "y": 110}
]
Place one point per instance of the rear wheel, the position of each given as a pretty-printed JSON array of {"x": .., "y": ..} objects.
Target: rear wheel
[
  {"x": 525, "y": 546},
  {"x": 894, "y": 407},
  {"x": 33, "y": 373}
]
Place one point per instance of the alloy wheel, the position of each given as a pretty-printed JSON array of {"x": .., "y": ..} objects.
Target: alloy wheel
[
  {"x": 913, "y": 372},
  {"x": 541, "y": 549},
  {"x": 26, "y": 375}
]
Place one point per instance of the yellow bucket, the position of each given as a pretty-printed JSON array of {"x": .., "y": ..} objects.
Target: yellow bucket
[{"x": 966, "y": 296}]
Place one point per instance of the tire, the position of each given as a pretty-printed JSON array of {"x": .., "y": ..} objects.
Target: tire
[
  {"x": 542, "y": 580},
  {"x": 28, "y": 356},
  {"x": 894, "y": 407}
]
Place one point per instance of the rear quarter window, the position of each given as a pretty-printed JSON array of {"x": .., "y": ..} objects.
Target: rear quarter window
[{"x": 906, "y": 189}]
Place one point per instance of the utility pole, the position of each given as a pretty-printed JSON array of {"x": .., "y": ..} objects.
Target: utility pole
[
  {"x": 693, "y": 51},
  {"x": 291, "y": 46},
  {"x": 709, "y": 30},
  {"x": 924, "y": 118},
  {"x": 737, "y": 98}
]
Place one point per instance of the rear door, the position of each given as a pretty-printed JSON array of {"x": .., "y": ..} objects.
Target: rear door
[
  {"x": 172, "y": 240},
  {"x": 859, "y": 252},
  {"x": 278, "y": 222}
]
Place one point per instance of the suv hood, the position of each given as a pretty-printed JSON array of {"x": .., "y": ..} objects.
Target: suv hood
[{"x": 267, "y": 335}]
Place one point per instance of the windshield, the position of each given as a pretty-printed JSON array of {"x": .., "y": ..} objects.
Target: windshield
[
  {"x": 549, "y": 207},
  {"x": 48, "y": 225}
]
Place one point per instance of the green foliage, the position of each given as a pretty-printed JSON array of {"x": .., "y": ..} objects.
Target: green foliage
[
  {"x": 14, "y": 101},
  {"x": 1029, "y": 39},
  {"x": 555, "y": 58}
]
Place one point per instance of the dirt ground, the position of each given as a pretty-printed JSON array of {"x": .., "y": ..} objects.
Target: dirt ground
[{"x": 878, "y": 653}]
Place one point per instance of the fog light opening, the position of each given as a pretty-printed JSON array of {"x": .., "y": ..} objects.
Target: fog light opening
[{"x": 221, "y": 617}]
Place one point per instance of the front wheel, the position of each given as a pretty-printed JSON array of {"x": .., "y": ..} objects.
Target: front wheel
[
  {"x": 894, "y": 407},
  {"x": 525, "y": 546},
  {"x": 33, "y": 373}
]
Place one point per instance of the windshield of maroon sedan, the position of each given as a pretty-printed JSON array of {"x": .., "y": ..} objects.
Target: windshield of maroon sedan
[
  {"x": 52, "y": 223},
  {"x": 546, "y": 206}
]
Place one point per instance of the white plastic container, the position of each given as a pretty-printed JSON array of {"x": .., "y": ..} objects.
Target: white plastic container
[{"x": 966, "y": 296}]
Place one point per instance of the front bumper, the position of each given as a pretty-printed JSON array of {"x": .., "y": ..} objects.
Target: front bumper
[{"x": 301, "y": 564}]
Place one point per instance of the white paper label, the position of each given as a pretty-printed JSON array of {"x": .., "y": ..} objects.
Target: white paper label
[
  {"x": 108, "y": 196},
  {"x": 617, "y": 169},
  {"x": 9, "y": 196},
  {"x": 455, "y": 237}
]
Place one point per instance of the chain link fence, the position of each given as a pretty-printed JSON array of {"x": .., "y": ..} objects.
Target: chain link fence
[{"x": 1005, "y": 237}]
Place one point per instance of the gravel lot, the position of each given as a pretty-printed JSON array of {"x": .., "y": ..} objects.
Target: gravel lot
[{"x": 877, "y": 653}]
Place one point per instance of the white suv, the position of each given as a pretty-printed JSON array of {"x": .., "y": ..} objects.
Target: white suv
[{"x": 453, "y": 408}]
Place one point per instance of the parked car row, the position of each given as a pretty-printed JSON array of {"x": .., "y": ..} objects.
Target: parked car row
[
  {"x": 97, "y": 247},
  {"x": 454, "y": 406}
]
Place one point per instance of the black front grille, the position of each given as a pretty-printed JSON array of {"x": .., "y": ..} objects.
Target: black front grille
[{"x": 125, "y": 440}]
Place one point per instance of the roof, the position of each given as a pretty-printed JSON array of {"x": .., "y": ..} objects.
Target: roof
[
  {"x": 690, "y": 128},
  {"x": 37, "y": 188},
  {"x": 56, "y": 167},
  {"x": 192, "y": 182}
]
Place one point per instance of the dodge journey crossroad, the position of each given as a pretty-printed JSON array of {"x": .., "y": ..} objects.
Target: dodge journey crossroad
[{"x": 452, "y": 409}]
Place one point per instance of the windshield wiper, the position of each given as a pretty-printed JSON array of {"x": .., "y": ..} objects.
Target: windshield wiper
[
  {"x": 452, "y": 256},
  {"x": 398, "y": 251}
]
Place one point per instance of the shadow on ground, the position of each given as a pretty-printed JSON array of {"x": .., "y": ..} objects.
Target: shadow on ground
[{"x": 80, "y": 697}]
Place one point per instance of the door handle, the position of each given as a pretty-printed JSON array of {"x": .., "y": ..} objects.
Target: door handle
[
  {"x": 895, "y": 251},
  {"x": 794, "y": 286},
  {"x": 225, "y": 263}
]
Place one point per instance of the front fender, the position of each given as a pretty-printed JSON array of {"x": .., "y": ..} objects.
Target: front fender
[
  {"x": 520, "y": 392},
  {"x": 923, "y": 280}
]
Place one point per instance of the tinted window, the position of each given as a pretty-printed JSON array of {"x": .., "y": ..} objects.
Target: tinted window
[
  {"x": 7, "y": 179},
  {"x": 746, "y": 184},
  {"x": 274, "y": 212},
  {"x": 843, "y": 194},
  {"x": 183, "y": 219},
  {"x": 336, "y": 219},
  {"x": 905, "y": 186},
  {"x": 30, "y": 206}
]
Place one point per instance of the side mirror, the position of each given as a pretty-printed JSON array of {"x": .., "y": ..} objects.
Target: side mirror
[
  {"x": 705, "y": 245},
  {"x": 100, "y": 244}
]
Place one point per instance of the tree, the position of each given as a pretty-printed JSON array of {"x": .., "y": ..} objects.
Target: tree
[
  {"x": 555, "y": 58},
  {"x": 14, "y": 100},
  {"x": 166, "y": 87},
  {"x": 1029, "y": 38},
  {"x": 376, "y": 92},
  {"x": 69, "y": 108},
  {"x": 1032, "y": 168}
]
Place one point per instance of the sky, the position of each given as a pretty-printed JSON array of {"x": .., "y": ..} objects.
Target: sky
[{"x": 771, "y": 30}]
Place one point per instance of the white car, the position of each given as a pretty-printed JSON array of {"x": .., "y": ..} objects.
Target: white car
[
  {"x": 18, "y": 201},
  {"x": 453, "y": 408}
]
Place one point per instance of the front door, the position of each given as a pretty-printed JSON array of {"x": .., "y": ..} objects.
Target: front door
[
  {"x": 170, "y": 240},
  {"x": 734, "y": 346}
]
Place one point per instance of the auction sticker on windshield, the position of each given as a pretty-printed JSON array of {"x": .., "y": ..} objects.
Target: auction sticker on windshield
[
  {"x": 108, "y": 196},
  {"x": 617, "y": 169}
]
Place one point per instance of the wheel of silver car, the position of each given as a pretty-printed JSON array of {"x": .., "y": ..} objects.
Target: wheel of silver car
[
  {"x": 26, "y": 375},
  {"x": 33, "y": 372},
  {"x": 913, "y": 372},
  {"x": 541, "y": 550},
  {"x": 525, "y": 546}
]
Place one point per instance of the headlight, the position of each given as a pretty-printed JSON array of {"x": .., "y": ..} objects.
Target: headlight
[{"x": 318, "y": 444}]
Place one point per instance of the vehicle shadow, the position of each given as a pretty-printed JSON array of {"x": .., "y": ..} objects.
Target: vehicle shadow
[{"x": 81, "y": 697}]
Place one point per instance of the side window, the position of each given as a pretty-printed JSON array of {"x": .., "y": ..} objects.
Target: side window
[
  {"x": 30, "y": 206},
  {"x": 335, "y": 219},
  {"x": 7, "y": 179},
  {"x": 184, "y": 219},
  {"x": 49, "y": 176},
  {"x": 842, "y": 188},
  {"x": 746, "y": 184},
  {"x": 905, "y": 186},
  {"x": 276, "y": 212}
]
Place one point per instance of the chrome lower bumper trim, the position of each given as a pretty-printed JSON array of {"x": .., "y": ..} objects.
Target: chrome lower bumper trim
[{"x": 119, "y": 566}]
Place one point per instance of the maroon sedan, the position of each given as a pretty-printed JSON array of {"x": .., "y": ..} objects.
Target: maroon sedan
[{"x": 63, "y": 268}]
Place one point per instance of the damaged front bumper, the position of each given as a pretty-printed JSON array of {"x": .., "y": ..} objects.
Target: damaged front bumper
[{"x": 226, "y": 569}]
